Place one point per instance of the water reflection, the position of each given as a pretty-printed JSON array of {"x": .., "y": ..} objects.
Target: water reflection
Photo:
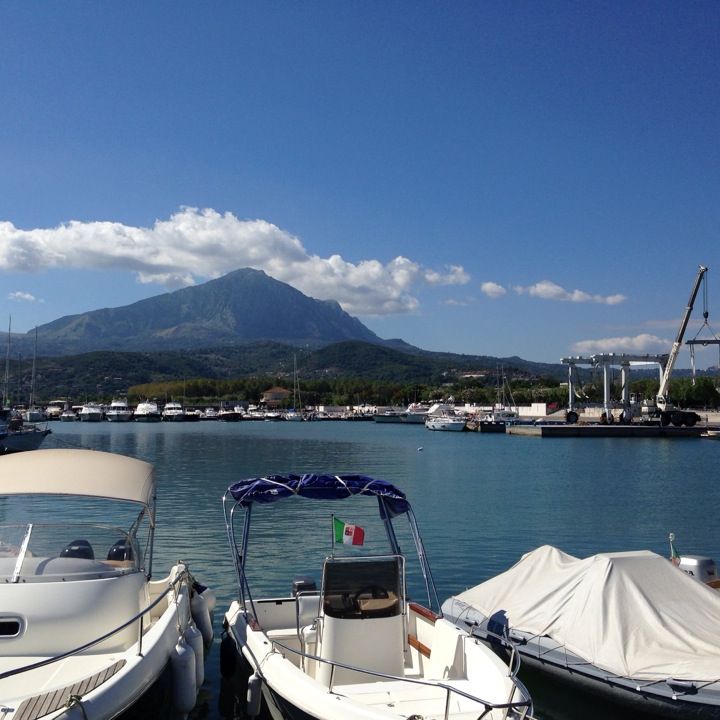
[{"x": 481, "y": 500}]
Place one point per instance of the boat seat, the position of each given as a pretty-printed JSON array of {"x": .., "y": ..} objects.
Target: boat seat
[
  {"x": 78, "y": 549},
  {"x": 361, "y": 623},
  {"x": 121, "y": 551},
  {"x": 308, "y": 608}
]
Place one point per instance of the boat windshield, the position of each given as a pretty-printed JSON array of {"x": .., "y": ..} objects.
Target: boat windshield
[{"x": 46, "y": 552}]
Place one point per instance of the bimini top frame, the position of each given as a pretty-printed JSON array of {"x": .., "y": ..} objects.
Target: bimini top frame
[{"x": 272, "y": 488}]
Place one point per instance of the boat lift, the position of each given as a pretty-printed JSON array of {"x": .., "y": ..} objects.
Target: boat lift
[
  {"x": 666, "y": 362},
  {"x": 606, "y": 361}
]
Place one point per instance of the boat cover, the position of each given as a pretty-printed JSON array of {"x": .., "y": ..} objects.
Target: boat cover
[
  {"x": 633, "y": 614},
  {"x": 318, "y": 487}
]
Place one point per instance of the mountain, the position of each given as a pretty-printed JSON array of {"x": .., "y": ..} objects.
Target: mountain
[
  {"x": 240, "y": 307},
  {"x": 242, "y": 324}
]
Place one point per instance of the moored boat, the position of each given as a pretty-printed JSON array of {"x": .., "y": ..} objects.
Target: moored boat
[
  {"x": 229, "y": 415},
  {"x": 627, "y": 626},
  {"x": 416, "y": 414},
  {"x": 119, "y": 411},
  {"x": 86, "y": 631},
  {"x": 359, "y": 646},
  {"x": 147, "y": 411},
  {"x": 388, "y": 416},
  {"x": 18, "y": 436},
  {"x": 448, "y": 423},
  {"x": 91, "y": 412},
  {"x": 33, "y": 415},
  {"x": 173, "y": 412}
]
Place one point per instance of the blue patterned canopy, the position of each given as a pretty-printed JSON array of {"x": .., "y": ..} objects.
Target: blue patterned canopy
[{"x": 318, "y": 487}]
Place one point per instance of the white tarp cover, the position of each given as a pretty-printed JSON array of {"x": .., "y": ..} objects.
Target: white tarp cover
[{"x": 631, "y": 613}]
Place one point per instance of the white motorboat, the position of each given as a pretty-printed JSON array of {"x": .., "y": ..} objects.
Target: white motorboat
[
  {"x": 54, "y": 409},
  {"x": 389, "y": 416},
  {"x": 85, "y": 632},
  {"x": 628, "y": 626},
  {"x": 359, "y": 647},
  {"x": 416, "y": 413},
  {"x": 119, "y": 411},
  {"x": 449, "y": 423},
  {"x": 33, "y": 415},
  {"x": 147, "y": 411},
  {"x": 173, "y": 412},
  {"x": 68, "y": 415},
  {"x": 91, "y": 412}
]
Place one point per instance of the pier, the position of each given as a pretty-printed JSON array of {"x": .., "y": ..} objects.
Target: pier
[{"x": 638, "y": 430}]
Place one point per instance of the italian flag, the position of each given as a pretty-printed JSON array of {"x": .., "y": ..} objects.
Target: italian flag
[{"x": 348, "y": 534}]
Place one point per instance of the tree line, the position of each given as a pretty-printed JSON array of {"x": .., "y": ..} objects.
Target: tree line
[{"x": 702, "y": 393}]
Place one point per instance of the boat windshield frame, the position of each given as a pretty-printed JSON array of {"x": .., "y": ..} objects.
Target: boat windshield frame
[{"x": 74, "y": 559}]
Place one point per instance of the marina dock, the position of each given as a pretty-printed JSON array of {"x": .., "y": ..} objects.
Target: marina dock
[{"x": 641, "y": 430}]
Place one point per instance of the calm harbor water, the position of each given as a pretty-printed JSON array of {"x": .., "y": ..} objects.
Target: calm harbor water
[{"x": 482, "y": 500}]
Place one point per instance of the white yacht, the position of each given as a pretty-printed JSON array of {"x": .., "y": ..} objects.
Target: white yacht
[
  {"x": 119, "y": 411},
  {"x": 173, "y": 412},
  {"x": 91, "y": 412},
  {"x": 147, "y": 411}
]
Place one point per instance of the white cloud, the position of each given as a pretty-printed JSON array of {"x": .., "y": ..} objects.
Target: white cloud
[
  {"x": 643, "y": 343},
  {"x": 195, "y": 245},
  {"x": 492, "y": 289},
  {"x": 548, "y": 290},
  {"x": 20, "y": 296}
]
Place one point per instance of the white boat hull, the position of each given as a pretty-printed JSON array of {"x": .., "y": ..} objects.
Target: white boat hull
[
  {"x": 131, "y": 671},
  {"x": 85, "y": 631},
  {"x": 446, "y": 424},
  {"x": 441, "y": 662}
]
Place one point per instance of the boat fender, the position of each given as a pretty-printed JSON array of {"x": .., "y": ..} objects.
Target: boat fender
[
  {"x": 208, "y": 594},
  {"x": 201, "y": 615},
  {"x": 194, "y": 639},
  {"x": 182, "y": 661},
  {"x": 228, "y": 657},
  {"x": 254, "y": 694}
]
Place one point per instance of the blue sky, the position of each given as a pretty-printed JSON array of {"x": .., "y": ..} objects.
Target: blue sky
[{"x": 504, "y": 178}]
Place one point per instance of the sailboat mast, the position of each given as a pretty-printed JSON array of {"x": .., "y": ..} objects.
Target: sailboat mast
[
  {"x": 6, "y": 390},
  {"x": 32, "y": 377}
]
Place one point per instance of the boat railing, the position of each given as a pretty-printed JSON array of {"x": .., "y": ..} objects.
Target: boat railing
[
  {"x": 521, "y": 707},
  {"x": 504, "y": 639},
  {"x": 182, "y": 576}
]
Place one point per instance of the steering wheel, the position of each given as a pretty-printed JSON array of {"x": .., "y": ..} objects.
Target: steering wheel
[{"x": 375, "y": 591}]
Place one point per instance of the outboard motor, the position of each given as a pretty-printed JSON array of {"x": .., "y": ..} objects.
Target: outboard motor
[
  {"x": 302, "y": 583},
  {"x": 701, "y": 568}
]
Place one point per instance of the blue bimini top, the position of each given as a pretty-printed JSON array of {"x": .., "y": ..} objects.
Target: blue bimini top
[{"x": 318, "y": 487}]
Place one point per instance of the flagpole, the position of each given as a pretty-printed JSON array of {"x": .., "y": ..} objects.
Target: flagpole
[{"x": 332, "y": 535}]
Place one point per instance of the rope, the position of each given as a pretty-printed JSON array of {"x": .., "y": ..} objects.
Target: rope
[{"x": 76, "y": 700}]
